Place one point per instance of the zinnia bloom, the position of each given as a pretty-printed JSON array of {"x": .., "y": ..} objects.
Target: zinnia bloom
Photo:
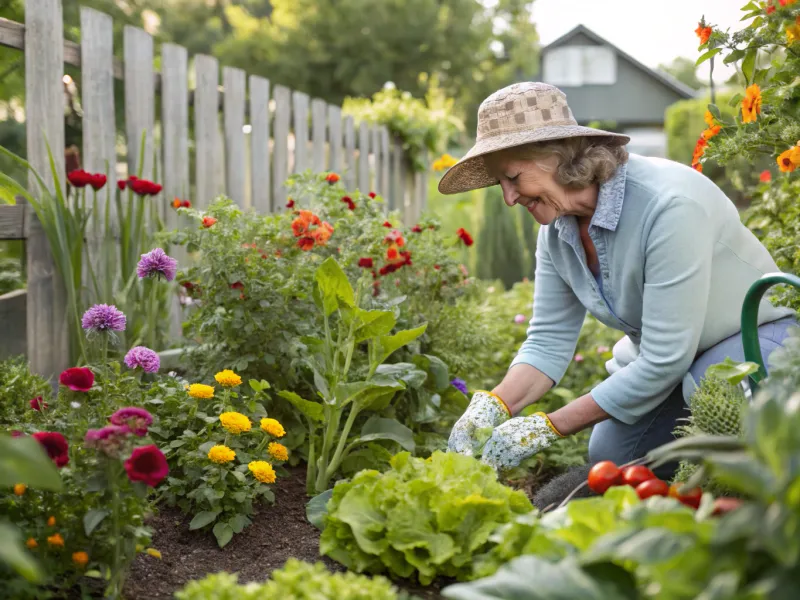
[
  {"x": 201, "y": 390},
  {"x": 305, "y": 243},
  {"x": 81, "y": 559},
  {"x": 208, "y": 221},
  {"x": 465, "y": 236},
  {"x": 156, "y": 263},
  {"x": 332, "y": 178},
  {"x": 365, "y": 263},
  {"x": 55, "y": 444},
  {"x": 121, "y": 184},
  {"x": 79, "y": 178},
  {"x": 31, "y": 544},
  {"x": 273, "y": 427},
  {"x": 228, "y": 378},
  {"x": 460, "y": 385},
  {"x": 785, "y": 162},
  {"x": 221, "y": 454},
  {"x": 51, "y": 521},
  {"x": 186, "y": 204},
  {"x": 322, "y": 233},
  {"x": 235, "y": 422},
  {"x": 303, "y": 222},
  {"x": 109, "y": 439},
  {"x": 751, "y": 104},
  {"x": 278, "y": 451},
  {"x": 37, "y": 404},
  {"x": 349, "y": 201},
  {"x": 55, "y": 540},
  {"x": 262, "y": 471},
  {"x": 135, "y": 418},
  {"x": 765, "y": 176},
  {"x": 78, "y": 379},
  {"x": 103, "y": 317},
  {"x": 19, "y": 489},
  {"x": 147, "y": 464},
  {"x": 141, "y": 356}
]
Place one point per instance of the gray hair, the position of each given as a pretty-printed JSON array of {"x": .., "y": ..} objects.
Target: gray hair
[{"x": 582, "y": 161}]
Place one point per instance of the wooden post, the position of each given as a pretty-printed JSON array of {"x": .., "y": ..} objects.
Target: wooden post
[
  {"x": 139, "y": 98},
  {"x": 206, "y": 128},
  {"x": 280, "y": 159},
  {"x": 48, "y": 342},
  {"x": 234, "y": 83},
  {"x": 398, "y": 195},
  {"x": 385, "y": 180},
  {"x": 318, "y": 132},
  {"x": 335, "y": 138},
  {"x": 259, "y": 144},
  {"x": 349, "y": 153},
  {"x": 363, "y": 157},
  {"x": 175, "y": 126},
  {"x": 300, "y": 110},
  {"x": 377, "y": 169}
]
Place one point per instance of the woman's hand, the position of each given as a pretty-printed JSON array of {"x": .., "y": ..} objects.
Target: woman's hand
[
  {"x": 518, "y": 439},
  {"x": 485, "y": 411}
]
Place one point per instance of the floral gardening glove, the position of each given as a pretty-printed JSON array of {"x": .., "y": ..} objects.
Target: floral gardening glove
[
  {"x": 485, "y": 412},
  {"x": 518, "y": 439}
]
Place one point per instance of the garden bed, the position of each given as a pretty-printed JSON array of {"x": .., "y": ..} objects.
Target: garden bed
[{"x": 278, "y": 532}]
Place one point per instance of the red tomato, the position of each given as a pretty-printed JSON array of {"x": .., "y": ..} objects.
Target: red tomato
[
  {"x": 725, "y": 505},
  {"x": 603, "y": 475},
  {"x": 652, "y": 487},
  {"x": 691, "y": 498},
  {"x": 634, "y": 476}
]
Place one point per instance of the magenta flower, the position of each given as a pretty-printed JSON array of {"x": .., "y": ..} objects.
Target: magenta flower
[
  {"x": 148, "y": 465},
  {"x": 56, "y": 446},
  {"x": 134, "y": 418},
  {"x": 38, "y": 404},
  {"x": 108, "y": 439},
  {"x": 78, "y": 379},
  {"x": 578, "y": 358},
  {"x": 156, "y": 263},
  {"x": 520, "y": 319},
  {"x": 102, "y": 318},
  {"x": 143, "y": 357}
]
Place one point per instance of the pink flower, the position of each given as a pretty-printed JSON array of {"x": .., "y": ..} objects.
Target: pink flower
[
  {"x": 602, "y": 349},
  {"x": 147, "y": 464},
  {"x": 108, "y": 439},
  {"x": 578, "y": 358},
  {"x": 37, "y": 404},
  {"x": 78, "y": 379},
  {"x": 520, "y": 319},
  {"x": 135, "y": 418}
]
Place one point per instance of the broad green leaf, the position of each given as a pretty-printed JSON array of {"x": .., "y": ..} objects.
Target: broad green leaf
[
  {"x": 224, "y": 533},
  {"x": 749, "y": 6},
  {"x": 259, "y": 386},
  {"x": 311, "y": 410},
  {"x": 733, "y": 56},
  {"x": 238, "y": 523},
  {"x": 14, "y": 554},
  {"x": 741, "y": 472},
  {"x": 368, "y": 393},
  {"x": 204, "y": 518},
  {"x": 749, "y": 64},
  {"x": 23, "y": 460},
  {"x": 389, "y": 343},
  {"x": 735, "y": 101},
  {"x": 712, "y": 108},
  {"x": 93, "y": 518},
  {"x": 316, "y": 509},
  {"x": 378, "y": 428},
  {"x": 436, "y": 367},
  {"x": 649, "y": 546},
  {"x": 334, "y": 286},
  {"x": 732, "y": 371},
  {"x": 707, "y": 55},
  {"x": 374, "y": 323},
  {"x": 405, "y": 372}
]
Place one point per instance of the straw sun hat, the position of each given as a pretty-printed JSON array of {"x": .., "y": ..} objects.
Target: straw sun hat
[{"x": 513, "y": 116}]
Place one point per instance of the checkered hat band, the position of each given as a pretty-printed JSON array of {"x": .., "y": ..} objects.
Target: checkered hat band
[{"x": 510, "y": 121}]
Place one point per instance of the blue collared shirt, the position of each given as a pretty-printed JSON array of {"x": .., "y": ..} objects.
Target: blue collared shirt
[{"x": 675, "y": 265}]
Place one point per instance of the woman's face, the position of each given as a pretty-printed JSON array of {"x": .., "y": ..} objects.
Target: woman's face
[{"x": 532, "y": 184}]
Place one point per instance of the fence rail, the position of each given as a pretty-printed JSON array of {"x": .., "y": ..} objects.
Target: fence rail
[{"x": 249, "y": 136}]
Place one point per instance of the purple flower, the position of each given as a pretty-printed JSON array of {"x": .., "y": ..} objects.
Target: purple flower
[
  {"x": 103, "y": 317},
  {"x": 108, "y": 439},
  {"x": 460, "y": 385},
  {"x": 520, "y": 319},
  {"x": 136, "y": 419},
  {"x": 155, "y": 264},
  {"x": 143, "y": 357}
]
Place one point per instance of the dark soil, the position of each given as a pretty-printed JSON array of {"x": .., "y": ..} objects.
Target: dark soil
[{"x": 278, "y": 532}]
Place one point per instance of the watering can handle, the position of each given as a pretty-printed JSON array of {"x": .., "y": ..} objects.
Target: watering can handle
[{"x": 752, "y": 300}]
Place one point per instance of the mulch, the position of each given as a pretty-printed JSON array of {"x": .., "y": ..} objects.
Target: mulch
[{"x": 278, "y": 532}]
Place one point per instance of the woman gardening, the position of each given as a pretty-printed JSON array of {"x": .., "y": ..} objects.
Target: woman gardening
[{"x": 650, "y": 247}]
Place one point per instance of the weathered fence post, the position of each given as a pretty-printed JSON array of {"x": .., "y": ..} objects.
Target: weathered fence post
[
  {"x": 349, "y": 153},
  {"x": 259, "y": 144},
  {"x": 318, "y": 134},
  {"x": 335, "y": 138},
  {"x": 363, "y": 157},
  {"x": 139, "y": 98},
  {"x": 206, "y": 128},
  {"x": 280, "y": 157},
  {"x": 234, "y": 84}
]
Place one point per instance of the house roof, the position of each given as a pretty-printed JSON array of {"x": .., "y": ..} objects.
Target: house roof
[{"x": 668, "y": 80}]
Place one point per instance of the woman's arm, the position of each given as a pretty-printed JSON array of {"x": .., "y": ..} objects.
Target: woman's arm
[{"x": 522, "y": 385}]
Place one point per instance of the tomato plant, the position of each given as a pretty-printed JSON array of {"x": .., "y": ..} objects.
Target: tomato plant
[
  {"x": 604, "y": 475},
  {"x": 636, "y": 475}
]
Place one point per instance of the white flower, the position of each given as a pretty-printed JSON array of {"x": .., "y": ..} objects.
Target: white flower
[{"x": 74, "y": 404}]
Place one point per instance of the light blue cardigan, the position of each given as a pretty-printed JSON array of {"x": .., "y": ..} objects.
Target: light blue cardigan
[{"x": 675, "y": 264}]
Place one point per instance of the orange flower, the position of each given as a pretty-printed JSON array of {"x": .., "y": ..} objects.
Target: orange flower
[
  {"x": 323, "y": 233},
  {"x": 711, "y": 131},
  {"x": 332, "y": 178},
  {"x": 751, "y": 104},
  {"x": 703, "y": 32},
  {"x": 785, "y": 162},
  {"x": 56, "y": 541},
  {"x": 176, "y": 203},
  {"x": 392, "y": 253},
  {"x": 51, "y": 522},
  {"x": 793, "y": 32},
  {"x": 19, "y": 489},
  {"x": 698, "y": 167},
  {"x": 305, "y": 219},
  {"x": 709, "y": 119},
  {"x": 31, "y": 544},
  {"x": 208, "y": 221},
  {"x": 305, "y": 243},
  {"x": 699, "y": 150},
  {"x": 80, "y": 559},
  {"x": 765, "y": 176}
]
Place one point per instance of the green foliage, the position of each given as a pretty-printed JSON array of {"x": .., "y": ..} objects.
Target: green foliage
[
  {"x": 297, "y": 580},
  {"x": 422, "y": 517},
  {"x": 501, "y": 253},
  {"x": 684, "y": 70},
  {"x": 17, "y": 387}
]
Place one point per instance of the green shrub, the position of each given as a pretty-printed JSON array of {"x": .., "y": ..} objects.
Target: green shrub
[{"x": 422, "y": 517}]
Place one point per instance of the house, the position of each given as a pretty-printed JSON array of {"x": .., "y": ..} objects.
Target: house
[{"x": 604, "y": 84}]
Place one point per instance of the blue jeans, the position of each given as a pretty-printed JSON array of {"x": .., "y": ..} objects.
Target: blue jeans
[{"x": 614, "y": 440}]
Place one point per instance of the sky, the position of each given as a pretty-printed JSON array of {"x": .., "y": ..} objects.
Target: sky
[{"x": 652, "y": 31}]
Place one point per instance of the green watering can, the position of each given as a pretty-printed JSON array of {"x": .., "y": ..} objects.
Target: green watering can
[{"x": 752, "y": 349}]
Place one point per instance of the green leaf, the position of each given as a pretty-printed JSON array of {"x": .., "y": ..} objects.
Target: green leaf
[
  {"x": 378, "y": 428},
  {"x": 750, "y": 6},
  {"x": 311, "y": 410},
  {"x": 405, "y": 372},
  {"x": 224, "y": 533},
  {"x": 316, "y": 509},
  {"x": 649, "y": 546},
  {"x": 712, "y": 108},
  {"x": 255, "y": 385},
  {"x": 749, "y": 64},
  {"x": 23, "y": 460},
  {"x": 735, "y": 100},
  {"x": 374, "y": 323},
  {"x": 238, "y": 523},
  {"x": 743, "y": 473},
  {"x": 93, "y": 518},
  {"x": 733, "y": 56},
  {"x": 436, "y": 367},
  {"x": 334, "y": 286},
  {"x": 204, "y": 518},
  {"x": 732, "y": 371},
  {"x": 14, "y": 554},
  {"x": 707, "y": 56},
  {"x": 368, "y": 394},
  {"x": 389, "y": 343}
]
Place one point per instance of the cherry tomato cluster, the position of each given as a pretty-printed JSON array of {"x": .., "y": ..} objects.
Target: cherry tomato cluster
[{"x": 606, "y": 474}]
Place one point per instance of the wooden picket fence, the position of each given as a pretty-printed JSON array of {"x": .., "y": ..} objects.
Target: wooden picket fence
[{"x": 263, "y": 137}]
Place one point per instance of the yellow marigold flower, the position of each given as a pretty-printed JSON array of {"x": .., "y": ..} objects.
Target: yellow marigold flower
[
  {"x": 201, "y": 390},
  {"x": 262, "y": 471},
  {"x": 221, "y": 454},
  {"x": 235, "y": 422},
  {"x": 751, "y": 104},
  {"x": 228, "y": 378},
  {"x": 153, "y": 552},
  {"x": 31, "y": 544},
  {"x": 278, "y": 451},
  {"x": 56, "y": 541},
  {"x": 80, "y": 559},
  {"x": 51, "y": 522},
  {"x": 273, "y": 427},
  {"x": 20, "y": 488}
]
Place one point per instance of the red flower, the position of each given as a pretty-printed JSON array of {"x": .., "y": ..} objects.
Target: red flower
[
  {"x": 305, "y": 243},
  {"x": 147, "y": 464},
  {"x": 698, "y": 167},
  {"x": 78, "y": 379},
  {"x": 349, "y": 201},
  {"x": 703, "y": 32},
  {"x": 365, "y": 263},
  {"x": 376, "y": 288},
  {"x": 186, "y": 204},
  {"x": 332, "y": 178},
  {"x": 436, "y": 267},
  {"x": 237, "y": 286},
  {"x": 290, "y": 203},
  {"x": 465, "y": 236},
  {"x": 208, "y": 221},
  {"x": 416, "y": 229},
  {"x": 121, "y": 184},
  {"x": 97, "y": 181},
  {"x": 765, "y": 176},
  {"x": 143, "y": 187},
  {"x": 387, "y": 224},
  {"x": 770, "y": 8},
  {"x": 37, "y": 404},
  {"x": 79, "y": 178},
  {"x": 55, "y": 445},
  {"x": 395, "y": 237},
  {"x": 406, "y": 258},
  {"x": 372, "y": 194},
  {"x": 392, "y": 253}
]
